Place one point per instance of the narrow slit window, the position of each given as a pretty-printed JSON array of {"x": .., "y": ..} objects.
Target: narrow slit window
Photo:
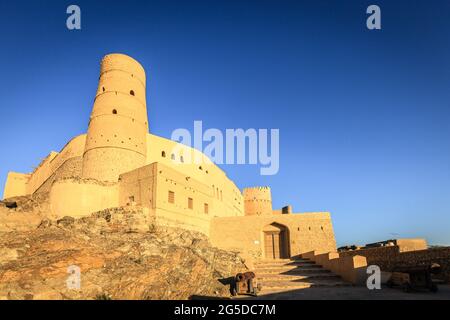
[
  {"x": 171, "y": 197},
  {"x": 190, "y": 203}
]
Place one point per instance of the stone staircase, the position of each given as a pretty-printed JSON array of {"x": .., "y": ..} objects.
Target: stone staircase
[{"x": 282, "y": 275}]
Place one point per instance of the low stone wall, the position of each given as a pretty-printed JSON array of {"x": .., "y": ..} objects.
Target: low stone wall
[
  {"x": 350, "y": 268},
  {"x": 387, "y": 258}
]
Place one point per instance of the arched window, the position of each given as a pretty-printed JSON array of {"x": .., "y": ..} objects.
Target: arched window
[
  {"x": 132, "y": 92},
  {"x": 172, "y": 156},
  {"x": 163, "y": 154},
  {"x": 181, "y": 159},
  {"x": 114, "y": 111}
]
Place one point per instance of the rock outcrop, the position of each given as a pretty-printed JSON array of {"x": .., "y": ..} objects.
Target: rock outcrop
[{"x": 120, "y": 253}]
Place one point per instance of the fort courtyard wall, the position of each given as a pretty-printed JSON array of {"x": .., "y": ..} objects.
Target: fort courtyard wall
[{"x": 306, "y": 232}]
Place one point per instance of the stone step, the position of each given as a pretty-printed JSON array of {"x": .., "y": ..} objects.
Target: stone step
[
  {"x": 267, "y": 286},
  {"x": 282, "y": 260},
  {"x": 261, "y": 277},
  {"x": 287, "y": 266},
  {"x": 291, "y": 263},
  {"x": 291, "y": 271}
]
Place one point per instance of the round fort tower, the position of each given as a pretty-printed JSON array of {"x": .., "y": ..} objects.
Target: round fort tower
[
  {"x": 257, "y": 201},
  {"x": 118, "y": 125}
]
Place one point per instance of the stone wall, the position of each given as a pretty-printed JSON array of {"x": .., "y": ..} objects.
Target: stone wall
[
  {"x": 77, "y": 197},
  {"x": 73, "y": 149},
  {"x": 387, "y": 258},
  {"x": 70, "y": 168},
  {"x": 306, "y": 232},
  {"x": 350, "y": 268}
]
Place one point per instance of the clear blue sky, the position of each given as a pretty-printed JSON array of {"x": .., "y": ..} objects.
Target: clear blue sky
[{"x": 364, "y": 116}]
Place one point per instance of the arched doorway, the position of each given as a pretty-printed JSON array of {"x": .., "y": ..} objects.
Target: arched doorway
[{"x": 276, "y": 241}]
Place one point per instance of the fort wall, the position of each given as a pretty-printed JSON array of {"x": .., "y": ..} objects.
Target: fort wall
[
  {"x": 404, "y": 254},
  {"x": 197, "y": 166},
  {"x": 16, "y": 184},
  {"x": 178, "y": 199},
  {"x": 80, "y": 197},
  {"x": 306, "y": 232},
  {"x": 55, "y": 165}
]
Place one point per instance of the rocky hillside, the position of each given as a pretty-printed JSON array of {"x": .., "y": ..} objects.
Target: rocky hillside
[{"x": 121, "y": 255}]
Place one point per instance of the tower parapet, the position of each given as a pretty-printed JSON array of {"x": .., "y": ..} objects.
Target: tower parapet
[
  {"x": 257, "y": 201},
  {"x": 118, "y": 125}
]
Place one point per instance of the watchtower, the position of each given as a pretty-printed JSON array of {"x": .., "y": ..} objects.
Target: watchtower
[
  {"x": 118, "y": 125},
  {"x": 257, "y": 201}
]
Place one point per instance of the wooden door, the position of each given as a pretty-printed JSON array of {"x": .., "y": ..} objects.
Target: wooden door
[{"x": 272, "y": 245}]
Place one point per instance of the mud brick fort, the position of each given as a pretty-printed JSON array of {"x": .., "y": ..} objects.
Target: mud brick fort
[{"x": 118, "y": 163}]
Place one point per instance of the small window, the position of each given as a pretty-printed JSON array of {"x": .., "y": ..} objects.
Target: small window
[
  {"x": 103, "y": 88},
  {"x": 131, "y": 199},
  {"x": 114, "y": 111},
  {"x": 132, "y": 92},
  {"x": 171, "y": 197},
  {"x": 217, "y": 193},
  {"x": 321, "y": 227},
  {"x": 172, "y": 156},
  {"x": 181, "y": 159},
  {"x": 221, "y": 198},
  {"x": 309, "y": 228},
  {"x": 190, "y": 203},
  {"x": 201, "y": 168},
  {"x": 163, "y": 154},
  {"x": 206, "y": 208}
]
